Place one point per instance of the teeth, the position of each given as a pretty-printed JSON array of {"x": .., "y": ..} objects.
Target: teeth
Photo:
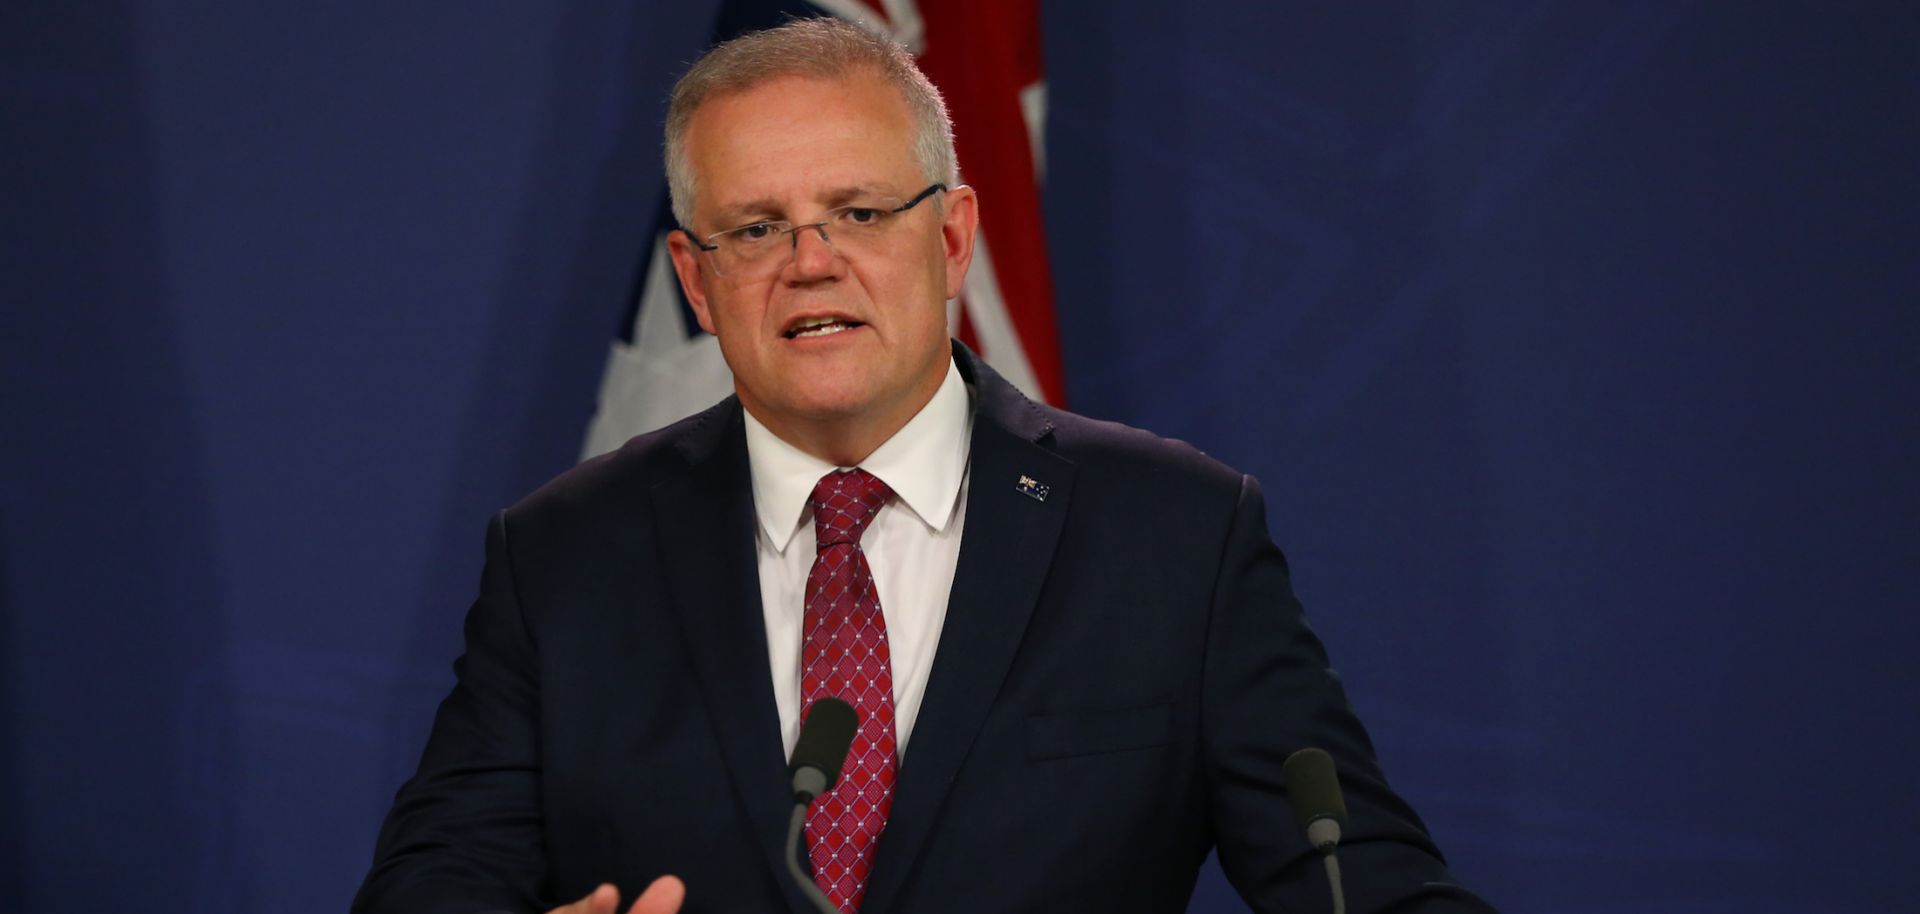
[
  {"x": 821, "y": 329},
  {"x": 819, "y": 326}
]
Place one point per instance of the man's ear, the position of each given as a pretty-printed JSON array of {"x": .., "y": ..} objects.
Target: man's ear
[
  {"x": 958, "y": 225},
  {"x": 686, "y": 265}
]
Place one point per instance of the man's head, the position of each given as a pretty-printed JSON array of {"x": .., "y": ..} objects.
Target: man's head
[
  {"x": 826, "y": 49},
  {"x": 819, "y": 122}
]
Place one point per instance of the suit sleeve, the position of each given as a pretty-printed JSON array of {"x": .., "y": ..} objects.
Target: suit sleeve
[
  {"x": 465, "y": 833},
  {"x": 1268, "y": 690}
]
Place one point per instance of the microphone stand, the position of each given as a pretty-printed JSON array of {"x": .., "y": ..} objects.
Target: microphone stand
[{"x": 801, "y": 877}]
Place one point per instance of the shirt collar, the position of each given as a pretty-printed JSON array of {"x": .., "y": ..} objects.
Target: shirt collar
[{"x": 923, "y": 463}]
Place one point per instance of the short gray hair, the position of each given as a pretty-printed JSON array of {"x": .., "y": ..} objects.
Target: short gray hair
[{"x": 827, "y": 48}]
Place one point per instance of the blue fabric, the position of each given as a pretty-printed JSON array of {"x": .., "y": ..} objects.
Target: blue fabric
[{"x": 1574, "y": 344}]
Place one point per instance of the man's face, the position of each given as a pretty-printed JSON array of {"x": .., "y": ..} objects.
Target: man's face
[{"x": 790, "y": 150}]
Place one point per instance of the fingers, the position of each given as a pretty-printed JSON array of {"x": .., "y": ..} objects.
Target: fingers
[
  {"x": 662, "y": 897},
  {"x": 602, "y": 900}
]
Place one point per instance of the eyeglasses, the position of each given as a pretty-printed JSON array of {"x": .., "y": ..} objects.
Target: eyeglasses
[{"x": 865, "y": 228}]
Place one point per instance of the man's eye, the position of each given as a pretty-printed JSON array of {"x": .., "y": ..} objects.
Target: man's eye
[
  {"x": 758, "y": 232},
  {"x": 861, "y": 215}
]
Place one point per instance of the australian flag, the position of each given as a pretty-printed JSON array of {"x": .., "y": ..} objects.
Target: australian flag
[{"x": 986, "y": 59}]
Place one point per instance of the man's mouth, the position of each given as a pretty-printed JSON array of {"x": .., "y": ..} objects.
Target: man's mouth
[{"x": 820, "y": 326}]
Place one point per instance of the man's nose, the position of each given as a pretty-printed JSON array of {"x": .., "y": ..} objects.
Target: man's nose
[{"x": 813, "y": 251}]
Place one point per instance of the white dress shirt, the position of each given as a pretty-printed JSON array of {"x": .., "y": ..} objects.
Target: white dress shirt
[{"x": 912, "y": 544}]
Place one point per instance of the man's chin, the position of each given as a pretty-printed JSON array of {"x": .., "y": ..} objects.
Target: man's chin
[
  {"x": 824, "y": 388},
  {"x": 807, "y": 401},
  {"x": 828, "y": 408}
]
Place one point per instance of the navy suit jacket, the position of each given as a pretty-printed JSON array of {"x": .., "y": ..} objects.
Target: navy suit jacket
[{"x": 1122, "y": 671}]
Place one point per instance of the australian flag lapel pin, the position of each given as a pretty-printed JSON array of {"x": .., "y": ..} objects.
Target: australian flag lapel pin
[{"x": 1032, "y": 488}]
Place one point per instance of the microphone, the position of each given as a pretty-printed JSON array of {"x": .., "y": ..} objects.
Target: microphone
[
  {"x": 1313, "y": 790},
  {"x": 818, "y": 757},
  {"x": 822, "y": 748}
]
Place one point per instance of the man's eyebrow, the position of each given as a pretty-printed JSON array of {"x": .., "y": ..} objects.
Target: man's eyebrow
[
  {"x": 841, "y": 196},
  {"x": 767, "y": 209},
  {"x": 748, "y": 212}
]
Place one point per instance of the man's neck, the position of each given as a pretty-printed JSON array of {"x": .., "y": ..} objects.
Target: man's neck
[
  {"x": 844, "y": 441},
  {"x": 836, "y": 444}
]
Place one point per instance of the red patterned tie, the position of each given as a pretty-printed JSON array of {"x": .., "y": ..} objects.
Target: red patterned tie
[{"x": 845, "y": 656}]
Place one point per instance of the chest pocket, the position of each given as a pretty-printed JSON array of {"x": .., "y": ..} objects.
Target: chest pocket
[{"x": 1052, "y": 736}]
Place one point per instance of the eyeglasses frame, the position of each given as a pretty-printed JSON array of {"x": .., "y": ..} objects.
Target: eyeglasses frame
[{"x": 793, "y": 231}]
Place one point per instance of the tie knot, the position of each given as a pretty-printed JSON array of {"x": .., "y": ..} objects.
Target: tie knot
[{"x": 843, "y": 505}]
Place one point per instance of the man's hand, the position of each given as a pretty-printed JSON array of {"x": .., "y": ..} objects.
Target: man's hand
[{"x": 662, "y": 897}]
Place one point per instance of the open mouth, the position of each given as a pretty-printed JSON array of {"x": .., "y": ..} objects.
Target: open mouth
[{"x": 820, "y": 326}]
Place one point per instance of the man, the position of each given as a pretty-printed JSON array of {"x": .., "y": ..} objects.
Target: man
[{"x": 1074, "y": 650}]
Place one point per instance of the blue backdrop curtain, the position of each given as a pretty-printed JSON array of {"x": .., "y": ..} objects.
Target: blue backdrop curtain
[{"x": 1574, "y": 344}]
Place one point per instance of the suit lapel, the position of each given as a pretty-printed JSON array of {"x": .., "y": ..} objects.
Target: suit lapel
[
  {"x": 705, "y": 531},
  {"x": 1006, "y": 549}
]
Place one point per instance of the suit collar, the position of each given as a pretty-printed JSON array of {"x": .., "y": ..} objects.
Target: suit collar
[{"x": 996, "y": 400}]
